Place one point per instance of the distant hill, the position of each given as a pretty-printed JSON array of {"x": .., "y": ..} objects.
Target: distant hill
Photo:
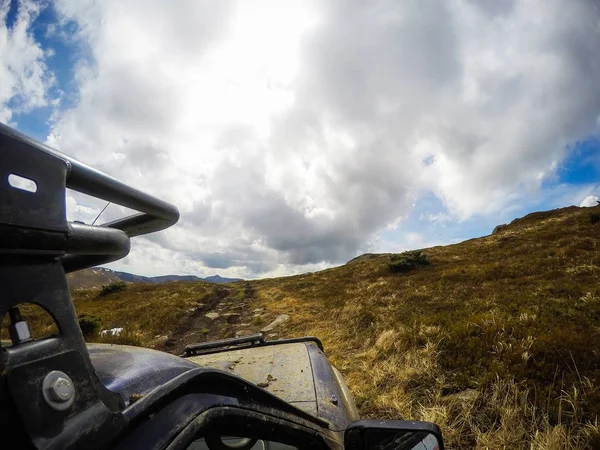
[
  {"x": 91, "y": 278},
  {"x": 219, "y": 279},
  {"x": 99, "y": 276},
  {"x": 132, "y": 278}
]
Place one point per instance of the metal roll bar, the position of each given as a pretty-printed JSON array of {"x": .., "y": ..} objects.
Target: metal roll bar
[
  {"x": 83, "y": 245},
  {"x": 37, "y": 247}
]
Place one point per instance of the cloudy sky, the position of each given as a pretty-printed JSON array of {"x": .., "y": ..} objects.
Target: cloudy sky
[{"x": 295, "y": 135}]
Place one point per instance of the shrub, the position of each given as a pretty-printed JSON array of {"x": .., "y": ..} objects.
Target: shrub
[
  {"x": 116, "y": 286},
  {"x": 407, "y": 261},
  {"x": 89, "y": 324},
  {"x": 258, "y": 320},
  {"x": 594, "y": 218}
]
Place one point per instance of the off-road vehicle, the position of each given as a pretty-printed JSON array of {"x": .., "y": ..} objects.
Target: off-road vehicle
[{"x": 59, "y": 392}]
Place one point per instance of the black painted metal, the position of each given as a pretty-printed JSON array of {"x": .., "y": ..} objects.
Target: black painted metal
[
  {"x": 262, "y": 424},
  {"x": 354, "y": 436},
  {"x": 225, "y": 344},
  {"x": 327, "y": 386},
  {"x": 313, "y": 339},
  {"x": 40, "y": 217},
  {"x": 135, "y": 371},
  {"x": 37, "y": 247},
  {"x": 256, "y": 340}
]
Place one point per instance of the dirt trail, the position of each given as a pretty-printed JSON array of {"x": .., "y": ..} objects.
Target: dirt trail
[{"x": 226, "y": 312}]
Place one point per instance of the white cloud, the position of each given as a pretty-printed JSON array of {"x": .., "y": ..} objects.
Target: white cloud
[
  {"x": 439, "y": 218},
  {"x": 590, "y": 200},
  {"x": 291, "y": 133},
  {"x": 24, "y": 77}
]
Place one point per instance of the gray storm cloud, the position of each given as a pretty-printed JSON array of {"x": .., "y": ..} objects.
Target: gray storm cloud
[{"x": 290, "y": 139}]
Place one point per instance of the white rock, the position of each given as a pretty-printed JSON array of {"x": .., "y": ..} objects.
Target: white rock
[
  {"x": 213, "y": 315},
  {"x": 278, "y": 321},
  {"x": 111, "y": 332}
]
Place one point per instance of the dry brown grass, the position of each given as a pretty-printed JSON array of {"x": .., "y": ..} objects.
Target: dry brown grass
[{"x": 497, "y": 340}]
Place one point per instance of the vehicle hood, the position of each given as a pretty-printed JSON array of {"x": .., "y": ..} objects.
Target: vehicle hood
[{"x": 284, "y": 370}]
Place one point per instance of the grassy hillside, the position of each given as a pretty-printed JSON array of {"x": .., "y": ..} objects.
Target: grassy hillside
[
  {"x": 496, "y": 340},
  {"x": 91, "y": 278}
]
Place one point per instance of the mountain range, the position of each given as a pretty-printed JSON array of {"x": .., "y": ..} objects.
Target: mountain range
[{"x": 99, "y": 276}]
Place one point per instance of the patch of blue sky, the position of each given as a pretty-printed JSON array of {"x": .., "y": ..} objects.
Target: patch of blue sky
[
  {"x": 62, "y": 54},
  {"x": 433, "y": 223},
  {"x": 11, "y": 17},
  {"x": 582, "y": 165}
]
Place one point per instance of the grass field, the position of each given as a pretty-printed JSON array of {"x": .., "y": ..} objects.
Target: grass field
[{"x": 496, "y": 339}]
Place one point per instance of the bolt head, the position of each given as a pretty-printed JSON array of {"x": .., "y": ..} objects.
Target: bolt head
[
  {"x": 61, "y": 390},
  {"x": 19, "y": 332},
  {"x": 58, "y": 390}
]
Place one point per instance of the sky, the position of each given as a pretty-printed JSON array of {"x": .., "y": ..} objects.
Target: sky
[{"x": 294, "y": 136}]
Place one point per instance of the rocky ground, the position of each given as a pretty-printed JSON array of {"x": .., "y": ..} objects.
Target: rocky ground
[{"x": 222, "y": 315}]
